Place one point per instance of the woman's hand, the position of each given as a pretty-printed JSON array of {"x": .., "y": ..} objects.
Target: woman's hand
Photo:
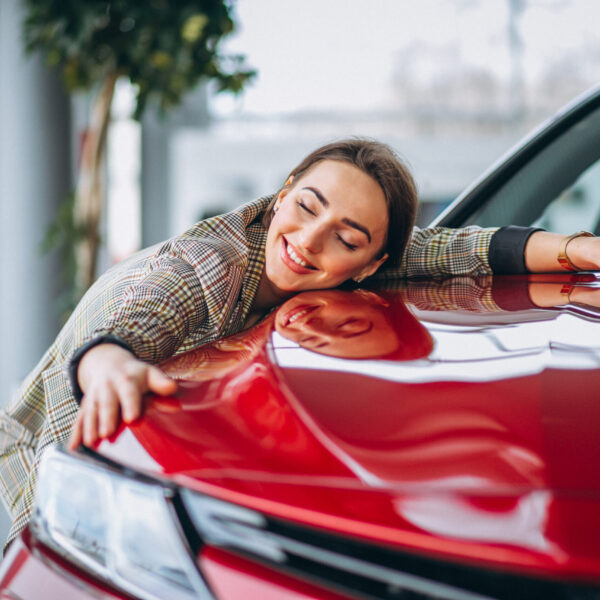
[
  {"x": 541, "y": 253},
  {"x": 113, "y": 381},
  {"x": 584, "y": 253}
]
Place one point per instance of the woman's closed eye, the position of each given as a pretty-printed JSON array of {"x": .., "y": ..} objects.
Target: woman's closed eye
[
  {"x": 348, "y": 245},
  {"x": 310, "y": 211},
  {"x": 304, "y": 207}
]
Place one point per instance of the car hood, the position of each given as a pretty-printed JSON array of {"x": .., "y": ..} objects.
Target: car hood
[{"x": 471, "y": 432}]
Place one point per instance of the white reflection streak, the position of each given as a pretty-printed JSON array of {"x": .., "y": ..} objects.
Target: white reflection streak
[
  {"x": 129, "y": 450},
  {"x": 457, "y": 354},
  {"x": 454, "y": 517}
]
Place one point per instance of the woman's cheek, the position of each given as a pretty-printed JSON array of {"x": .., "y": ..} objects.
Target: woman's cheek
[{"x": 345, "y": 266}]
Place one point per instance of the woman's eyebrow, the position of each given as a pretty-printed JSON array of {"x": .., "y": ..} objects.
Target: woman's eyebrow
[
  {"x": 346, "y": 221},
  {"x": 358, "y": 226},
  {"x": 318, "y": 194}
]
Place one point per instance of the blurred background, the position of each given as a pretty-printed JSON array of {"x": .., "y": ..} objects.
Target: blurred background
[{"x": 451, "y": 85}]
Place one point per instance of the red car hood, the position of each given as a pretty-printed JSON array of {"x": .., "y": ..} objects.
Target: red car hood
[{"x": 474, "y": 436}]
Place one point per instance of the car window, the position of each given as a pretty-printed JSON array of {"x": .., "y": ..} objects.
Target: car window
[
  {"x": 578, "y": 207},
  {"x": 559, "y": 189}
]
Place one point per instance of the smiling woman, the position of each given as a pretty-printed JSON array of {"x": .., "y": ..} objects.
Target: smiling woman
[
  {"x": 345, "y": 213},
  {"x": 383, "y": 167},
  {"x": 323, "y": 232}
]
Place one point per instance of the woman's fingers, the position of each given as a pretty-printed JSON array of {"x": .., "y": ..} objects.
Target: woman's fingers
[
  {"x": 98, "y": 417},
  {"x": 159, "y": 383},
  {"x": 76, "y": 432},
  {"x": 145, "y": 379},
  {"x": 108, "y": 411},
  {"x": 130, "y": 396},
  {"x": 90, "y": 421},
  {"x": 120, "y": 395}
]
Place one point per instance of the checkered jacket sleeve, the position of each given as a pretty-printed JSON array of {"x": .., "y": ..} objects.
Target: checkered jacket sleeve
[
  {"x": 162, "y": 301},
  {"x": 443, "y": 252},
  {"x": 157, "y": 307},
  {"x": 159, "y": 311}
]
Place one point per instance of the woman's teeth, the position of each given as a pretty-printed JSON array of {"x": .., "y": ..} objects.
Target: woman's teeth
[
  {"x": 298, "y": 315},
  {"x": 297, "y": 259}
]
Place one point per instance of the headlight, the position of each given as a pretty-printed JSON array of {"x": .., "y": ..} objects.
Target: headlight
[{"x": 122, "y": 529}]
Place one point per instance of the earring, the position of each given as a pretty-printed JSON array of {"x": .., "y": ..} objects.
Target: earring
[{"x": 358, "y": 279}]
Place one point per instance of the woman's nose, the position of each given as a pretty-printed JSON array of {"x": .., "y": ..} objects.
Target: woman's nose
[{"x": 311, "y": 238}]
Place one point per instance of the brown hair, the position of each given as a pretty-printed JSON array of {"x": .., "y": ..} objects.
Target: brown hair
[{"x": 382, "y": 164}]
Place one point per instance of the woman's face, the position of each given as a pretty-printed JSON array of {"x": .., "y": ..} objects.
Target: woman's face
[{"x": 328, "y": 227}]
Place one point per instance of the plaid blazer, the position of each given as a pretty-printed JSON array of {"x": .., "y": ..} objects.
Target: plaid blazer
[{"x": 168, "y": 299}]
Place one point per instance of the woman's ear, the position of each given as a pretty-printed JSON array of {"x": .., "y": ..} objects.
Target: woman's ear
[
  {"x": 370, "y": 269},
  {"x": 283, "y": 193}
]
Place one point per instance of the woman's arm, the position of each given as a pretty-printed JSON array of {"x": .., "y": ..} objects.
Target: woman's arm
[
  {"x": 542, "y": 249},
  {"x": 113, "y": 369},
  {"x": 472, "y": 251},
  {"x": 475, "y": 251}
]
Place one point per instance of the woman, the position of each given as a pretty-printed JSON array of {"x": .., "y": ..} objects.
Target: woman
[{"x": 345, "y": 212}]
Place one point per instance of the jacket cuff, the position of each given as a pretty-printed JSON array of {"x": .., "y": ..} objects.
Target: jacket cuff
[
  {"x": 507, "y": 249},
  {"x": 78, "y": 355}
]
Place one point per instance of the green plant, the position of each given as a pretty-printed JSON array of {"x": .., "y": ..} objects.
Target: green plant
[
  {"x": 165, "y": 48},
  {"x": 61, "y": 237}
]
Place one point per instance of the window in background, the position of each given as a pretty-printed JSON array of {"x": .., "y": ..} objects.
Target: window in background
[{"x": 124, "y": 167}]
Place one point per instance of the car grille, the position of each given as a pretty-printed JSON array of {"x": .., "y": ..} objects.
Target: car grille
[{"x": 354, "y": 567}]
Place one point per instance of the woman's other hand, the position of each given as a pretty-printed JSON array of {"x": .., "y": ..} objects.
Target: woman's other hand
[
  {"x": 113, "y": 381},
  {"x": 541, "y": 253},
  {"x": 584, "y": 253}
]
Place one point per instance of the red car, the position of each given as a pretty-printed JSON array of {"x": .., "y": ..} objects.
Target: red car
[{"x": 432, "y": 439}]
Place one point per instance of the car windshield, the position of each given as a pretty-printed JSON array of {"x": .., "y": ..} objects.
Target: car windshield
[{"x": 558, "y": 189}]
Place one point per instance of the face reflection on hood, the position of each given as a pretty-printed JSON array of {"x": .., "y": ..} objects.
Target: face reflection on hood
[
  {"x": 357, "y": 324},
  {"x": 341, "y": 324}
]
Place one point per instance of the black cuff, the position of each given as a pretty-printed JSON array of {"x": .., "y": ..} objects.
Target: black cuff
[
  {"x": 507, "y": 249},
  {"x": 78, "y": 355}
]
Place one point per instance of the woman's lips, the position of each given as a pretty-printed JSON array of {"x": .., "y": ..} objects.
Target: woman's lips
[
  {"x": 291, "y": 263},
  {"x": 296, "y": 313}
]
